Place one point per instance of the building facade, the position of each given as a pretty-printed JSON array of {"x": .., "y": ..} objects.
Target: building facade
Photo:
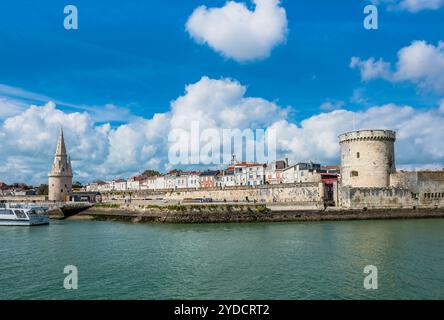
[
  {"x": 274, "y": 172},
  {"x": 302, "y": 172}
]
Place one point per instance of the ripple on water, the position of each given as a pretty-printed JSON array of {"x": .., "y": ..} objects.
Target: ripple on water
[{"x": 320, "y": 260}]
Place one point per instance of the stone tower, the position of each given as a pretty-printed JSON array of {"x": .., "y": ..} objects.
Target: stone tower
[
  {"x": 60, "y": 177},
  {"x": 367, "y": 158}
]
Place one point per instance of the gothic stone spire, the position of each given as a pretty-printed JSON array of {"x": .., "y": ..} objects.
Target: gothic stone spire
[{"x": 61, "y": 165}]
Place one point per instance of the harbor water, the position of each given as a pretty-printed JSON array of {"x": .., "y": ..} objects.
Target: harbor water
[{"x": 309, "y": 260}]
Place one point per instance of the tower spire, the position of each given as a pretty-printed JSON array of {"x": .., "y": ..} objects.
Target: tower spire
[{"x": 61, "y": 149}]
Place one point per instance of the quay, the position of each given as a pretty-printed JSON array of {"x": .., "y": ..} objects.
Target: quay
[{"x": 236, "y": 213}]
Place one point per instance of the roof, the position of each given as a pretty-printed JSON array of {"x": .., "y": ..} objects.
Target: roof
[
  {"x": 248, "y": 164},
  {"x": 209, "y": 173},
  {"x": 331, "y": 167}
]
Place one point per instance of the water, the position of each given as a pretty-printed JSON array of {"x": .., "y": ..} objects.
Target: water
[{"x": 314, "y": 260}]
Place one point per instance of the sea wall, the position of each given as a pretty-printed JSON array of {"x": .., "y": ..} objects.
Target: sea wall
[
  {"x": 304, "y": 194},
  {"x": 419, "y": 181},
  {"x": 243, "y": 213},
  {"x": 36, "y": 198},
  {"x": 387, "y": 198}
]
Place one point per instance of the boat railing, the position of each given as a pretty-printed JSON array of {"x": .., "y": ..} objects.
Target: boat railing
[{"x": 22, "y": 206}]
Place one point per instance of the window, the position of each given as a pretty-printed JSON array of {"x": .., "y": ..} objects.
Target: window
[
  {"x": 358, "y": 155},
  {"x": 354, "y": 174}
]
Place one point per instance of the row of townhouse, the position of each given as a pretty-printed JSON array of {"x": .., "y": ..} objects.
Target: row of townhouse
[{"x": 237, "y": 174}]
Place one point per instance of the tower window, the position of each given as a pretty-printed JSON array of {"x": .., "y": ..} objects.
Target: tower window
[
  {"x": 358, "y": 155},
  {"x": 354, "y": 174}
]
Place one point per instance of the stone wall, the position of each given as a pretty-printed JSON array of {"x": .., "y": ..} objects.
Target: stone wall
[
  {"x": 419, "y": 181},
  {"x": 28, "y": 198},
  {"x": 309, "y": 194},
  {"x": 387, "y": 198}
]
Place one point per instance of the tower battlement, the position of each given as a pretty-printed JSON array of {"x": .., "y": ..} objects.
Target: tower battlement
[{"x": 367, "y": 135}]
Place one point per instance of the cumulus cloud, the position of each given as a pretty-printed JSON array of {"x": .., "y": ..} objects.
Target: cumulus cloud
[
  {"x": 105, "y": 152},
  {"x": 28, "y": 141},
  {"x": 237, "y": 32},
  {"x": 419, "y": 133},
  {"x": 419, "y": 63},
  {"x": 411, "y": 5},
  {"x": 9, "y": 107},
  {"x": 371, "y": 68}
]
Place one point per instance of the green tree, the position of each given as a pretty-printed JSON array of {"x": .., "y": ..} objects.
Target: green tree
[
  {"x": 77, "y": 185},
  {"x": 43, "y": 189},
  {"x": 150, "y": 173}
]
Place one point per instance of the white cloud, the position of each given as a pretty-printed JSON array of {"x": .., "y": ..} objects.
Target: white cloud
[
  {"x": 101, "y": 152},
  {"x": 411, "y": 5},
  {"x": 330, "y": 105},
  {"x": 10, "y": 107},
  {"x": 237, "y": 32},
  {"x": 222, "y": 104},
  {"x": 419, "y": 133},
  {"x": 371, "y": 69},
  {"x": 419, "y": 63},
  {"x": 29, "y": 138}
]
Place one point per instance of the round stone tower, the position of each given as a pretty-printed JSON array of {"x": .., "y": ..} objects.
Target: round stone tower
[
  {"x": 60, "y": 177},
  {"x": 367, "y": 158}
]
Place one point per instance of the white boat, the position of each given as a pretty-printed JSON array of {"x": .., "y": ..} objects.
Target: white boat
[{"x": 12, "y": 214}]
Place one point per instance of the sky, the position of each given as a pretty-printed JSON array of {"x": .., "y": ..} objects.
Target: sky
[{"x": 133, "y": 71}]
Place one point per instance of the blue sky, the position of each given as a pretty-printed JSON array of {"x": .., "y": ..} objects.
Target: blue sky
[{"x": 138, "y": 57}]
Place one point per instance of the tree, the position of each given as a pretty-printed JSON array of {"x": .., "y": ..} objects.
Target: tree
[
  {"x": 77, "y": 185},
  {"x": 150, "y": 173},
  {"x": 43, "y": 189}
]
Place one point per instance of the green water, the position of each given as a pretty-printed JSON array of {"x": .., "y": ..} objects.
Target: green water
[{"x": 316, "y": 260}]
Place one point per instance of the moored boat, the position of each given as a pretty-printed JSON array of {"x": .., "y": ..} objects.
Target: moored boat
[{"x": 12, "y": 214}]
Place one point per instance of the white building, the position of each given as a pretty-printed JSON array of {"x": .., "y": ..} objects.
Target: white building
[
  {"x": 134, "y": 183},
  {"x": 180, "y": 181},
  {"x": 249, "y": 174},
  {"x": 170, "y": 181},
  {"x": 226, "y": 178},
  {"x": 118, "y": 185},
  {"x": 193, "y": 180},
  {"x": 274, "y": 172},
  {"x": 302, "y": 172}
]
